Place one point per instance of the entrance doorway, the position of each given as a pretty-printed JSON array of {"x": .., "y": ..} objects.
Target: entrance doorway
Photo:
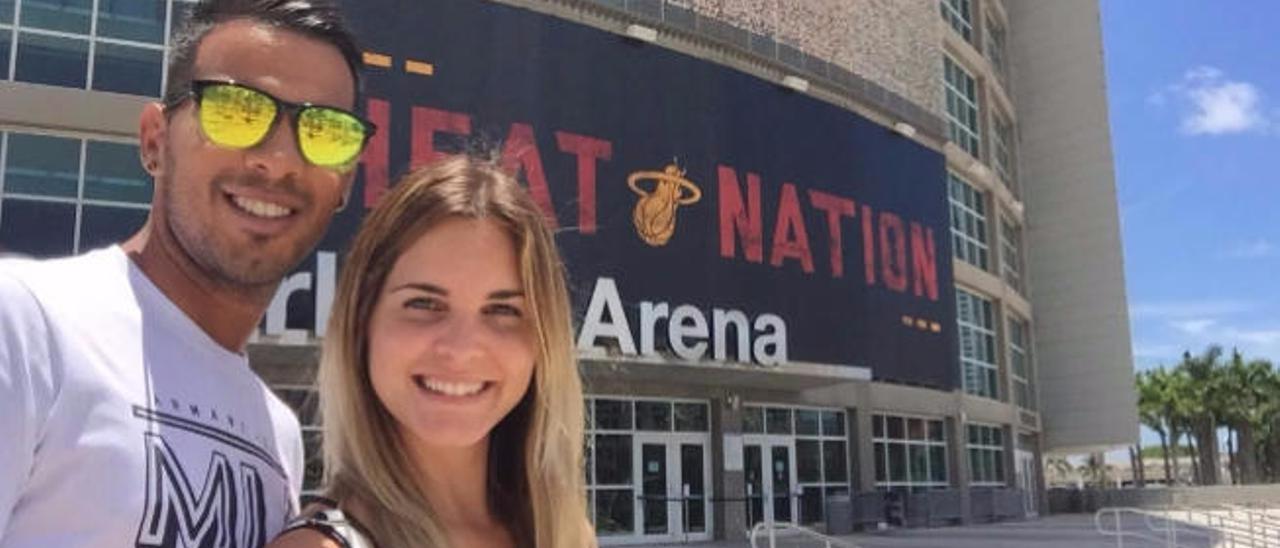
[
  {"x": 769, "y": 466},
  {"x": 673, "y": 477}
]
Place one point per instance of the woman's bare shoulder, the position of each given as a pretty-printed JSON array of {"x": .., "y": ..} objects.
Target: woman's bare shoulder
[{"x": 304, "y": 538}]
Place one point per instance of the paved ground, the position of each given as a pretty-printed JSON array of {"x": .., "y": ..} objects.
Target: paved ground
[{"x": 1062, "y": 531}]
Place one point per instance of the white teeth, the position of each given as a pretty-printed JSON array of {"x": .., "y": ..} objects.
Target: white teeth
[
  {"x": 261, "y": 209},
  {"x": 452, "y": 388}
]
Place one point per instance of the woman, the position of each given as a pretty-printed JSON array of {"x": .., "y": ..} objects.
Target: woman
[{"x": 450, "y": 396}]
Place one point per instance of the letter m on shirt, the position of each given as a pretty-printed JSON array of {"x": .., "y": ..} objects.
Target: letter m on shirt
[{"x": 178, "y": 515}]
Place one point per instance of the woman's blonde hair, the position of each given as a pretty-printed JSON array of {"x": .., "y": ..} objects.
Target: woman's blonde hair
[{"x": 535, "y": 480}]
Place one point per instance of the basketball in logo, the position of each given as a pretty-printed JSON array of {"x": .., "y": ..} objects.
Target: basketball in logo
[{"x": 655, "y": 212}]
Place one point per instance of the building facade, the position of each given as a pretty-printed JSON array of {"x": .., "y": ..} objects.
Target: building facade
[{"x": 820, "y": 252}]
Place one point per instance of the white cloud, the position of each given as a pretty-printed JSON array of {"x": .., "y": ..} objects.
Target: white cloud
[
  {"x": 1256, "y": 249},
  {"x": 1156, "y": 351},
  {"x": 1194, "y": 327},
  {"x": 1187, "y": 310},
  {"x": 1213, "y": 104}
]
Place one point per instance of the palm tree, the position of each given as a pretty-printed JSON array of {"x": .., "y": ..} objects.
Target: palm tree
[
  {"x": 1244, "y": 390},
  {"x": 1203, "y": 407},
  {"x": 1153, "y": 391}
]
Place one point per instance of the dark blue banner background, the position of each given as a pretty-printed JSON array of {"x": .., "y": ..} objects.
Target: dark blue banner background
[{"x": 499, "y": 66}]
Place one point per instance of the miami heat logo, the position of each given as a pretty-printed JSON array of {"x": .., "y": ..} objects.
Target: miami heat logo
[{"x": 655, "y": 213}]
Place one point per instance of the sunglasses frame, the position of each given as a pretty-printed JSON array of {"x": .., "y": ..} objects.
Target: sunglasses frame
[{"x": 294, "y": 110}]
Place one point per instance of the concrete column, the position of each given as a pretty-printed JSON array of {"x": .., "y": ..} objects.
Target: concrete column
[
  {"x": 957, "y": 447},
  {"x": 1010, "y": 456},
  {"x": 730, "y": 515},
  {"x": 862, "y": 449}
]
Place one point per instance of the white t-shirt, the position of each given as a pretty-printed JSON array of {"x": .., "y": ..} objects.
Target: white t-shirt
[{"x": 123, "y": 424}]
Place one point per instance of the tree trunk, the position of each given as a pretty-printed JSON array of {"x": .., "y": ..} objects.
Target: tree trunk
[
  {"x": 1231, "y": 456},
  {"x": 1136, "y": 464},
  {"x": 1192, "y": 443},
  {"x": 1164, "y": 447},
  {"x": 1207, "y": 452},
  {"x": 1176, "y": 437},
  {"x": 1248, "y": 455}
]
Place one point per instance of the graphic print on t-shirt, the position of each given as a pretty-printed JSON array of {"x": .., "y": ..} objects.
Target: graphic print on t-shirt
[{"x": 216, "y": 500}]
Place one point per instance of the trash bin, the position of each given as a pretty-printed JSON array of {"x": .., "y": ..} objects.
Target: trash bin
[
  {"x": 839, "y": 511},
  {"x": 895, "y": 509}
]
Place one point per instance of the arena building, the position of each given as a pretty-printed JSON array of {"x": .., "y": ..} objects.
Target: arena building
[{"x": 832, "y": 260}]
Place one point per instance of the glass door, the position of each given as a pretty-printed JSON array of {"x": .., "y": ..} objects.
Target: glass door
[
  {"x": 769, "y": 467},
  {"x": 672, "y": 502},
  {"x": 1026, "y": 469}
]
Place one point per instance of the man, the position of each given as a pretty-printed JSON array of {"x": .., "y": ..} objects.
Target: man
[{"x": 128, "y": 412}]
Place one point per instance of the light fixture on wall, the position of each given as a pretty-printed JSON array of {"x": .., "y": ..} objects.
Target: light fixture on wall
[
  {"x": 642, "y": 33},
  {"x": 904, "y": 129},
  {"x": 732, "y": 401},
  {"x": 796, "y": 83}
]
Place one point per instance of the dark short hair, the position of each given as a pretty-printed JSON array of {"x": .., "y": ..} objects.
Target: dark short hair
[{"x": 318, "y": 19}]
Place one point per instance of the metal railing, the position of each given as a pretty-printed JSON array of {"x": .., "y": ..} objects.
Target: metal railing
[
  {"x": 1227, "y": 525},
  {"x": 790, "y": 529}
]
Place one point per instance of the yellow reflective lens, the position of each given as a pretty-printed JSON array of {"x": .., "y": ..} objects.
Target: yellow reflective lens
[
  {"x": 233, "y": 116},
  {"x": 329, "y": 137}
]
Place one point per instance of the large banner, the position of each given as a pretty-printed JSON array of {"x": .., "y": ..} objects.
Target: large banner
[{"x": 704, "y": 214}]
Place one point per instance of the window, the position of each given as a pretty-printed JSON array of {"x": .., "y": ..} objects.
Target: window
[
  {"x": 63, "y": 195},
  {"x": 127, "y": 69},
  {"x": 1002, "y": 152},
  {"x": 6, "y": 47},
  {"x": 962, "y": 107},
  {"x": 1020, "y": 364},
  {"x": 986, "y": 455},
  {"x": 59, "y": 15},
  {"x": 977, "y": 344},
  {"x": 612, "y": 424},
  {"x": 112, "y": 172},
  {"x": 52, "y": 60},
  {"x": 968, "y": 222},
  {"x": 1010, "y": 254},
  {"x": 959, "y": 14},
  {"x": 822, "y": 453},
  {"x": 910, "y": 453},
  {"x": 995, "y": 48},
  {"x": 136, "y": 20},
  {"x": 108, "y": 45}
]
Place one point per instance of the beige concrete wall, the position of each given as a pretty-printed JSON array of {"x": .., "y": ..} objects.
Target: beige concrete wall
[
  {"x": 1073, "y": 230},
  {"x": 894, "y": 43}
]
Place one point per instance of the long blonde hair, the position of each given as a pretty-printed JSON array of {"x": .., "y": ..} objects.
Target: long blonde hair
[{"x": 535, "y": 479}]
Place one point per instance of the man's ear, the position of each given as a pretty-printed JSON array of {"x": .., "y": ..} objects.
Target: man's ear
[
  {"x": 348, "y": 183},
  {"x": 153, "y": 126}
]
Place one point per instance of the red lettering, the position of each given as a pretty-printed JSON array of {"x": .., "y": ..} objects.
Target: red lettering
[
  {"x": 589, "y": 150},
  {"x": 377, "y": 155},
  {"x": 924, "y": 261},
  {"x": 893, "y": 252},
  {"x": 427, "y": 122},
  {"x": 868, "y": 246},
  {"x": 836, "y": 207},
  {"x": 737, "y": 219},
  {"x": 790, "y": 239},
  {"x": 520, "y": 153}
]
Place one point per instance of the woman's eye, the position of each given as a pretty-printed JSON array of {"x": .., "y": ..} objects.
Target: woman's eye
[
  {"x": 424, "y": 303},
  {"x": 504, "y": 310}
]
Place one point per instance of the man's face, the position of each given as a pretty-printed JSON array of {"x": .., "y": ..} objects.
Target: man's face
[{"x": 246, "y": 217}]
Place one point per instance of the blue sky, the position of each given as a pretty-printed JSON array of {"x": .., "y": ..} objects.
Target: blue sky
[{"x": 1195, "y": 122}]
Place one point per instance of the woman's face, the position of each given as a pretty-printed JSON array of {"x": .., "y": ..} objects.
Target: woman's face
[{"x": 451, "y": 344}]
